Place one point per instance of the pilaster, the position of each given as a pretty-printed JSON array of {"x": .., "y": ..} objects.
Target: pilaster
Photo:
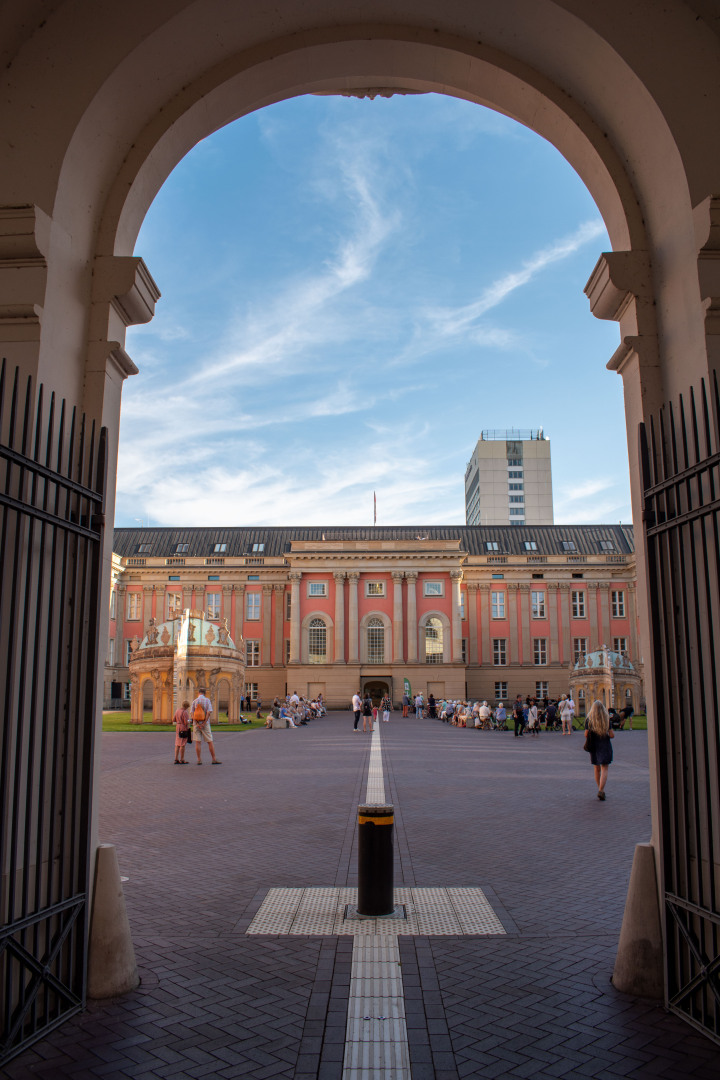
[
  {"x": 472, "y": 598},
  {"x": 266, "y": 625},
  {"x": 412, "y": 629},
  {"x": 456, "y": 577},
  {"x": 295, "y": 579},
  {"x": 278, "y": 659},
  {"x": 353, "y": 656},
  {"x": 339, "y": 655},
  {"x": 397, "y": 578}
]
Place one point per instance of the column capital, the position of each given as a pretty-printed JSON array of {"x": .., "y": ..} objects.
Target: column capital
[
  {"x": 295, "y": 575},
  {"x": 353, "y": 576},
  {"x": 397, "y": 575},
  {"x": 456, "y": 575},
  {"x": 227, "y": 589},
  {"x": 473, "y": 586},
  {"x": 148, "y": 588},
  {"x": 513, "y": 585},
  {"x": 565, "y": 586},
  {"x": 279, "y": 586},
  {"x": 121, "y": 586},
  {"x": 411, "y": 575},
  {"x": 267, "y": 589},
  {"x": 339, "y": 575}
]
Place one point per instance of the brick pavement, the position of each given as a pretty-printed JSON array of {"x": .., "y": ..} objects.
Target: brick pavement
[{"x": 518, "y": 818}]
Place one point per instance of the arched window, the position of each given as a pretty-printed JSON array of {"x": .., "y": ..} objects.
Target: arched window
[
  {"x": 433, "y": 641},
  {"x": 375, "y": 641},
  {"x": 317, "y": 642}
]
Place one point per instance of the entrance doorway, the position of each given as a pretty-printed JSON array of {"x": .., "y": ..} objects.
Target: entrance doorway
[{"x": 377, "y": 688}]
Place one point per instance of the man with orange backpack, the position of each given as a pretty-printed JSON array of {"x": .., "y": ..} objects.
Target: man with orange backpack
[{"x": 200, "y": 715}]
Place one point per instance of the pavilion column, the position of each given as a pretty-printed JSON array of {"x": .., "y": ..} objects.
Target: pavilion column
[
  {"x": 412, "y": 629},
  {"x": 472, "y": 596},
  {"x": 486, "y": 655},
  {"x": 339, "y": 655},
  {"x": 456, "y": 577},
  {"x": 397, "y": 577},
  {"x": 266, "y": 617},
  {"x": 279, "y": 590},
  {"x": 295, "y": 579},
  {"x": 353, "y": 656}
]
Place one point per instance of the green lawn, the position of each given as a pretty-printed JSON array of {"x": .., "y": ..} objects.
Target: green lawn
[
  {"x": 639, "y": 722},
  {"x": 114, "y": 720}
]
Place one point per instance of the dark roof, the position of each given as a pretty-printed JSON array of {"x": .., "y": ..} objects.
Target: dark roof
[{"x": 509, "y": 538}]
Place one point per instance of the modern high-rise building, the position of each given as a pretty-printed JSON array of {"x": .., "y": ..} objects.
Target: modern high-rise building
[{"x": 508, "y": 480}]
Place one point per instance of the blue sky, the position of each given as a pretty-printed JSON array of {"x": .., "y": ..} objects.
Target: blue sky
[{"x": 352, "y": 291}]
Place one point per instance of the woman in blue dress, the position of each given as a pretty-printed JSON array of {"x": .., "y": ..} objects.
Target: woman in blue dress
[{"x": 599, "y": 733}]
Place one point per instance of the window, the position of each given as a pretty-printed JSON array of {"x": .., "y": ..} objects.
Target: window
[
  {"x": 251, "y": 690},
  {"x": 463, "y": 616},
  {"x": 181, "y": 549},
  {"x": 607, "y": 545},
  {"x": 252, "y": 606},
  {"x": 569, "y": 545},
  {"x": 252, "y": 577},
  {"x": 173, "y": 601},
  {"x": 134, "y": 605},
  {"x": 213, "y": 605},
  {"x": 501, "y": 691},
  {"x": 374, "y": 588},
  {"x": 515, "y": 476},
  {"x": 538, "y": 605},
  {"x": 126, "y": 691},
  {"x": 620, "y": 644},
  {"x": 581, "y": 694},
  {"x": 577, "y": 600},
  {"x": 128, "y": 652},
  {"x": 492, "y": 545},
  {"x": 287, "y": 650},
  {"x": 515, "y": 462},
  {"x": 113, "y": 601},
  {"x": 258, "y": 548},
  {"x": 252, "y": 654},
  {"x": 541, "y": 691},
  {"x": 143, "y": 549},
  {"x": 531, "y": 545},
  {"x": 579, "y": 648},
  {"x": 220, "y": 549},
  {"x": 539, "y": 576},
  {"x": 317, "y": 588},
  {"x": 317, "y": 642},
  {"x": 498, "y": 577},
  {"x": 213, "y": 577},
  {"x": 173, "y": 577},
  {"x": 540, "y": 651},
  {"x": 463, "y": 648},
  {"x": 433, "y": 588},
  {"x": 433, "y": 641},
  {"x": 500, "y": 652},
  {"x": 375, "y": 641},
  {"x": 516, "y": 498},
  {"x": 288, "y": 605},
  {"x": 498, "y": 605},
  {"x": 618, "y": 604},
  {"x": 111, "y": 652},
  {"x": 515, "y": 487}
]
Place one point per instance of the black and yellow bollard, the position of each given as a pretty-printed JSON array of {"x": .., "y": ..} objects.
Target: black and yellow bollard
[{"x": 375, "y": 860}]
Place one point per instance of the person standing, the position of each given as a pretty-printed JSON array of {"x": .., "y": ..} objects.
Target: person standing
[
  {"x": 357, "y": 709},
  {"x": 386, "y": 708},
  {"x": 533, "y": 721},
  {"x": 367, "y": 712},
  {"x": 200, "y": 711},
  {"x": 598, "y": 734},
  {"x": 418, "y": 706},
  {"x": 567, "y": 711},
  {"x": 519, "y": 716},
  {"x": 182, "y": 732},
  {"x": 405, "y": 703}
]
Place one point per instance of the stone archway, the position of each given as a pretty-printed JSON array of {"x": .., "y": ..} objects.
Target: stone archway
[{"x": 86, "y": 151}]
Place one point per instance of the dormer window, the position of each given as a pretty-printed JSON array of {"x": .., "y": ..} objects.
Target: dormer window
[
  {"x": 492, "y": 545},
  {"x": 257, "y": 548},
  {"x": 180, "y": 549},
  {"x": 220, "y": 549},
  {"x": 569, "y": 545},
  {"x": 143, "y": 549},
  {"x": 531, "y": 545},
  {"x": 607, "y": 545}
]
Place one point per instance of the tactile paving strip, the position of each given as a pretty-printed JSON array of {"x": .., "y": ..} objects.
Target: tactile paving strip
[
  {"x": 375, "y": 781},
  {"x": 431, "y": 912}
]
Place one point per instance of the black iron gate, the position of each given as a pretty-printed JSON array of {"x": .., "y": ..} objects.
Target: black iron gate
[
  {"x": 680, "y": 459},
  {"x": 52, "y": 481}
]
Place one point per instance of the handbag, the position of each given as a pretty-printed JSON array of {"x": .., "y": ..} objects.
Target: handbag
[
  {"x": 589, "y": 742},
  {"x": 186, "y": 733}
]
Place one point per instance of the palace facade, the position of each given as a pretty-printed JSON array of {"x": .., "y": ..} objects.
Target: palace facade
[{"x": 459, "y": 611}]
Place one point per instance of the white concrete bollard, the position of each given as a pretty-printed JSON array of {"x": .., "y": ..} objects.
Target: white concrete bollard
[
  {"x": 111, "y": 962},
  {"x": 639, "y": 966}
]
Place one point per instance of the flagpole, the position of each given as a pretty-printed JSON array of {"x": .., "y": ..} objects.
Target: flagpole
[{"x": 374, "y": 508}]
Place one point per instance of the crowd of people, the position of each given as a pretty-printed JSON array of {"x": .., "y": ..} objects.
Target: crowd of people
[
  {"x": 296, "y": 710},
  {"x": 530, "y": 714}
]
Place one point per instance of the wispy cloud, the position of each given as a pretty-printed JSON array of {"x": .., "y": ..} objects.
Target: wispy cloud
[{"x": 452, "y": 321}]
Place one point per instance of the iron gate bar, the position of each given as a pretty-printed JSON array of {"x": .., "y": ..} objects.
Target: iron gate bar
[
  {"x": 679, "y": 455},
  {"x": 51, "y": 522}
]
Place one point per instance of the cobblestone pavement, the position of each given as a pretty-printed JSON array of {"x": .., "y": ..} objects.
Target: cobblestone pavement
[{"x": 518, "y": 818}]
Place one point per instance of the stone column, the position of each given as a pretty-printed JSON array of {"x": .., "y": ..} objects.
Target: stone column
[
  {"x": 605, "y": 615},
  {"x": 524, "y": 594},
  {"x": 339, "y": 654},
  {"x": 456, "y": 577},
  {"x": 412, "y": 628},
  {"x": 353, "y": 656},
  {"x": 486, "y": 655},
  {"x": 555, "y": 651},
  {"x": 514, "y": 651},
  {"x": 397, "y": 577},
  {"x": 239, "y": 612},
  {"x": 279, "y": 602},
  {"x": 295, "y": 579},
  {"x": 266, "y": 614},
  {"x": 472, "y": 595}
]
